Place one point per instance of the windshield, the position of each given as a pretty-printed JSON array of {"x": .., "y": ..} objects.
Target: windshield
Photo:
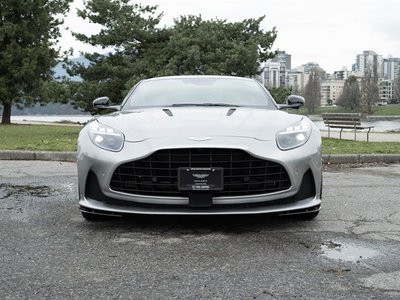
[{"x": 198, "y": 91}]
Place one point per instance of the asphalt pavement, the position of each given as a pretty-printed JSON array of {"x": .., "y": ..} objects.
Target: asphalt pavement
[{"x": 48, "y": 251}]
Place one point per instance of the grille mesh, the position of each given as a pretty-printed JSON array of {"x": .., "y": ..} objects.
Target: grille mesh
[{"x": 156, "y": 174}]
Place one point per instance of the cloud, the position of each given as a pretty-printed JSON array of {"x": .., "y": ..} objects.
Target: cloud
[{"x": 330, "y": 32}]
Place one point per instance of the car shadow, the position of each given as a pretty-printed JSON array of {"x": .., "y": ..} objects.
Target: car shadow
[{"x": 233, "y": 224}]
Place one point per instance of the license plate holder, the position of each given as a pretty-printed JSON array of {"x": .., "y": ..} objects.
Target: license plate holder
[{"x": 200, "y": 179}]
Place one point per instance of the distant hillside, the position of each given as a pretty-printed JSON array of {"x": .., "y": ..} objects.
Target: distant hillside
[
  {"x": 52, "y": 108},
  {"x": 48, "y": 109},
  {"x": 59, "y": 71}
]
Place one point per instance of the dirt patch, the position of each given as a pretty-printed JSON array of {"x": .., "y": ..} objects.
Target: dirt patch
[{"x": 41, "y": 191}]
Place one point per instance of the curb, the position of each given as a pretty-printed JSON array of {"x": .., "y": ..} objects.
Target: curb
[
  {"x": 38, "y": 155},
  {"x": 326, "y": 158},
  {"x": 336, "y": 159}
]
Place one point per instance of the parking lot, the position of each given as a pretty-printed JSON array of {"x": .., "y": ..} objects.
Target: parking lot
[{"x": 48, "y": 251}]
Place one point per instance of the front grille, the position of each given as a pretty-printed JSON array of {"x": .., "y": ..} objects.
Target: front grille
[{"x": 157, "y": 174}]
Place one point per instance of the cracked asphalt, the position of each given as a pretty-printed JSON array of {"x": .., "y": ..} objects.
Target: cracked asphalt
[{"x": 48, "y": 251}]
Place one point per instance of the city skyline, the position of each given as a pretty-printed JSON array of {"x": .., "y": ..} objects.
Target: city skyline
[
  {"x": 330, "y": 33},
  {"x": 277, "y": 73}
]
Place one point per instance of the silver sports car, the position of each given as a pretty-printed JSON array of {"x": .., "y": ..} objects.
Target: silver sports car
[{"x": 199, "y": 145}]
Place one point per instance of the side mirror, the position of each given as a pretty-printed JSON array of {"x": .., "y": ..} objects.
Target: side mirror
[
  {"x": 104, "y": 103},
  {"x": 101, "y": 103},
  {"x": 295, "y": 100}
]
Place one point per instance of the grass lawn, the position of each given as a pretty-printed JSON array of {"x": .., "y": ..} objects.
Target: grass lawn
[
  {"x": 63, "y": 138},
  {"x": 388, "y": 110},
  {"x": 335, "y": 146},
  {"x": 38, "y": 137}
]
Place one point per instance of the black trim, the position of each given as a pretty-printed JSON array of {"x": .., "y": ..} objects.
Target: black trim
[{"x": 93, "y": 191}]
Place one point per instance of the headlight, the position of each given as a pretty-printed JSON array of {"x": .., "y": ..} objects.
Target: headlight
[
  {"x": 294, "y": 136},
  {"x": 106, "y": 137}
]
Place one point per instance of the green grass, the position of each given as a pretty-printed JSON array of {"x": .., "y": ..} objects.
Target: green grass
[
  {"x": 38, "y": 137},
  {"x": 63, "y": 138},
  {"x": 335, "y": 146},
  {"x": 388, "y": 110}
]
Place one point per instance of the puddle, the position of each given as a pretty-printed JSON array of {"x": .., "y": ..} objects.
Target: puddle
[
  {"x": 347, "y": 252},
  {"x": 41, "y": 191}
]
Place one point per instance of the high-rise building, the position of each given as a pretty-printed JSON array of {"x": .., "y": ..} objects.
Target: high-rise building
[
  {"x": 298, "y": 77},
  {"x": 365, "y": 63},
  {"x": 272, "y": 74},
  {"x": 391, "y": 68},
  {"x": 283, "y": 58},
  {"x": 308, "y": 67},
  {"x": 343, "y": 74},
  {"x": 388, "y": 70},
  {"x": 275, "y": 70}
]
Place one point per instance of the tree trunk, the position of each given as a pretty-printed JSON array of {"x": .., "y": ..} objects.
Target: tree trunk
[{"x": 6, "y": 119}]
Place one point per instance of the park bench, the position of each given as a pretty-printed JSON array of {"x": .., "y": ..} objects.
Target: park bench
[{"x": 345, "y": 121}]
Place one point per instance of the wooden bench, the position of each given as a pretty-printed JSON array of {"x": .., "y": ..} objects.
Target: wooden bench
[{"x": 345, "y": 121}]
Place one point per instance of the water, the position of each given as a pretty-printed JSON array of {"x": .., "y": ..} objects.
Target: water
[
  {"x": 50, "y": 119},
  {"x": 347, "y": 251},
  {"x": 379, "y": 126}
]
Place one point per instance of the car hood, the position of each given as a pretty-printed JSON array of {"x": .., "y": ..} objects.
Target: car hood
[{"x": 199, "y": 122}]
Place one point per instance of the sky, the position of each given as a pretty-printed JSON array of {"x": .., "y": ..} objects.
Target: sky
[{"x": 328, "y": 32}]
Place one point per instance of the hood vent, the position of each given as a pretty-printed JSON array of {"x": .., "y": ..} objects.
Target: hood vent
[
  {"x": 230, "y": 112},
  {"x": 168, "y": 112}
]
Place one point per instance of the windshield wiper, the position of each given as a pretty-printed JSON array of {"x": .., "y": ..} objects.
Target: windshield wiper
[{"x": 204, "y": 104}]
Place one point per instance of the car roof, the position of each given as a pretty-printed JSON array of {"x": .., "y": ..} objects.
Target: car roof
[{"x": 199, "y": 76}]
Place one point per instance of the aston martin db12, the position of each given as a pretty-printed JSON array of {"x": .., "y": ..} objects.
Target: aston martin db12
[{"x": 199, "y": 145}]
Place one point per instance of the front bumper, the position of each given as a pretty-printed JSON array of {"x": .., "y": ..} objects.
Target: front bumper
[
  {"x": 93, "y": 161},
  {"x": 99, "y": 208}
]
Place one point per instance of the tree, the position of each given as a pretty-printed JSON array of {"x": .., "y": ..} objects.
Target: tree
[
  {"x": 28, "y": 35},
  {"x": 369, "y": 87},
  {"x": 140, "y": 49},
  {"x": 312, "y": 90},
  {"x": 219, "y": 47},
  {"x": 129, "y": 33},
  {"x": 351, "y": 95},
  {"x": 396, "y": 90},
  {"x": 280, "y": 94}
]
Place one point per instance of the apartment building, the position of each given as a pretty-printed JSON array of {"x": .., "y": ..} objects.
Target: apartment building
[
  {"x": 275, "y": 71},
  {"x": 391, "y": 68},
  {"x": 331, "y": 90},
  {"x": 385, "y": 91},
  {"x": 365, "y": 62},
  {"x": 298, "y": 77}
]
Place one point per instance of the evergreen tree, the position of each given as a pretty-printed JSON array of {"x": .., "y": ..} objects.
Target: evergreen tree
[
  {"x": 280, "y": 94},
  {"x": 129, "y": 32},
  {"x": 312, "y": 90},
  {"x": 140, "y": 49},
  {"x": 28, "y": 36},
  {"x": 351, "y": 95}
]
